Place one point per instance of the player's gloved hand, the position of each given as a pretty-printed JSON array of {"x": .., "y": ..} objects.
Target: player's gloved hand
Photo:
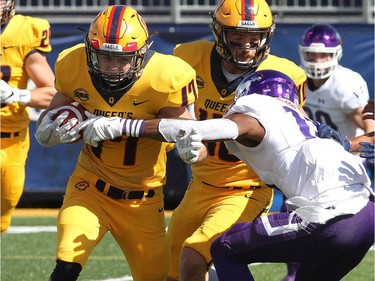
[
  {"x": 49, "y": 132},
  {"x": 367, "y": 151},
  {"x": 189, "y": 145},
  {"x": 326, "y": 132},
  {"x": 97, "y": 129},
  {"x": 9, "y": 94}
]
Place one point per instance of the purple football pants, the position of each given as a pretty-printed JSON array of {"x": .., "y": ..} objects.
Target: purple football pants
[{"x": 325, "y": 252}]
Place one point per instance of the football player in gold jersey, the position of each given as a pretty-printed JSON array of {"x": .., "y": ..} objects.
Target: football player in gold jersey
[
  {"x": 117, "y": 184},
  {"x": 223, "y": 189},
  {"x": 24, "y": 44}
]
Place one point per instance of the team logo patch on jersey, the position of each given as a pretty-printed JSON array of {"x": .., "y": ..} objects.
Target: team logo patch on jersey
[
  {"x": 82, "y": 185},
  {"x": 82, "y": 94},
  {"x": 200, "y": 82}
]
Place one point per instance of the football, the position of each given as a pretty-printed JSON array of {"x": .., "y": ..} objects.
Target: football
[{"x": 75, "y": 111}]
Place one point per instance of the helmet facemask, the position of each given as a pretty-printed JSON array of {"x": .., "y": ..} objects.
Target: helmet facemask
[
  {"x": 7, "y": 12},
  {"x": 247, "y": 16},
  {"x": 230, "y": 52},
  {"x": 320, "y": 70},
  {"x": 117, "y": 79}
]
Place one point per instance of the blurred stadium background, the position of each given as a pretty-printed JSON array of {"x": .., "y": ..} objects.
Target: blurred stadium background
[{"x": 177, "y": 21}]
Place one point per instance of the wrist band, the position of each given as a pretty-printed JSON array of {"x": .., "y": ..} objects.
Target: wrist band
[
  {"x": 133, "y": 128},
  {"x": 24, "y": 96}
]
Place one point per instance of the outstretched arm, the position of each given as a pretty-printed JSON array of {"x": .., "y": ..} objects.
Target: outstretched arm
[
  {"x": 98, "y": 129},
  {"x": 187, "y": 134},
  {"x": 250, "y": 133}
]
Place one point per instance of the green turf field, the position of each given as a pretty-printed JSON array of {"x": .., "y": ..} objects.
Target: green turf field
[{"x": 30, "y": 256}]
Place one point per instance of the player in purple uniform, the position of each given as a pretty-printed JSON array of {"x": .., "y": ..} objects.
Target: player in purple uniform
[
  {"x": 321, "y": 230},
  {"x": 336, "y": 95}
]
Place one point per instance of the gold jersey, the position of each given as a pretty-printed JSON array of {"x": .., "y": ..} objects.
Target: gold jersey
[
  {"x": 21, "y": 36},
  {"x": 222, "y": 168},
  {"x": 131, "y": 163}
]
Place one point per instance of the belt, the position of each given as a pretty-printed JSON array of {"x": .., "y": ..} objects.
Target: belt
[
  {"x": 117, "y": 193},
  {"x": 6, "y": 135},
  {"x": 232, "y": 187}
]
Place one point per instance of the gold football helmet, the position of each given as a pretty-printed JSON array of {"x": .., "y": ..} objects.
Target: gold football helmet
[
  {"x": 7, "y": 11},
  {"x": 243, "y": 16},
  {"x": 116, "y": 44}
]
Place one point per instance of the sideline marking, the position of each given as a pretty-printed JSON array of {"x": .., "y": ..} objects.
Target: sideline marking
[
  {"x": 41, "y": 228},
  {"x": 30, "y": 229}
]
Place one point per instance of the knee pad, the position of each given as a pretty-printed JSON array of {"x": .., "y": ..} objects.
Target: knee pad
[{"x": 66, "y": 271}]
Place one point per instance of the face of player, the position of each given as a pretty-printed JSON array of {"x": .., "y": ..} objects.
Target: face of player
[
  {"x": 322, "y": 62},
  {"x": 318, "y": 57},
  {"x": 115, "y": 64},
  {"x": 115, "y": 67},
  {"x": 243, "y": 45}
]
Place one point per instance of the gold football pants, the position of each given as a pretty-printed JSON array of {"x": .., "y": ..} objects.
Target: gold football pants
[
  {"x": 138, "y": 226},
  {"x": 206, "y": 212},
  {"x": 14, "y": 149}
]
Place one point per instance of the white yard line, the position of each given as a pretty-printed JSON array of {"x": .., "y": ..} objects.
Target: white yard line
[
  {"x": 42, "y": 228},
  {"x": 30, "y": 229},
  {"x": 37, "y": 229}
]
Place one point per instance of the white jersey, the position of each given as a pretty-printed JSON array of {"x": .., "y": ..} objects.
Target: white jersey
[
  {"x": 343, "y": 92},
  {"x": 311, "y": 172}
]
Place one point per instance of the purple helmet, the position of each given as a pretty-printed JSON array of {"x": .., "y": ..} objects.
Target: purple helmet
[
  {"x": 320, "y": 38},
  {"x": 269, "y": 83}
]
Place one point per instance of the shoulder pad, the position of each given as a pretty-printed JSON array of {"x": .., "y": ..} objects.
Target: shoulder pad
[
  {"x": 63, "y": 65},
  {"x": 192, "y": 52},
  {"x": 174, "y": 77},
  {"x": 172, "y": 73},
  {"x": 41, "y": 33}
]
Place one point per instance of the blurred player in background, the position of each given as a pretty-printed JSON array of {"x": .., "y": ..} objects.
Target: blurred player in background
[
  {"x": 24, "y": 44},
  {"x": 117, "y": 185},
  {"x": 223, "y": 189},
  {"x": 336, "y": 95}
]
